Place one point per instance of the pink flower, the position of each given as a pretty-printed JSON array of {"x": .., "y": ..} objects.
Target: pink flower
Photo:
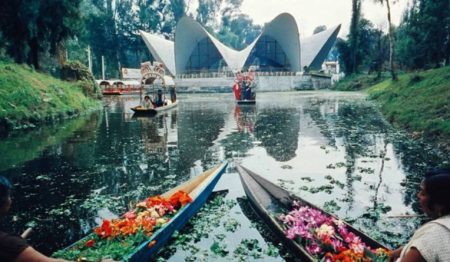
[
  {"x": 313, "y": 249},
  {"x": 130, "y": 215}
]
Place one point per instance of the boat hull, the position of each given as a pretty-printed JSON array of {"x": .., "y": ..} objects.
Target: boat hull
[
  {"x": 147, "y": 250},
  {"x": 153, "y": 111},
  {"x": 264, "y": 196},
  {"x": 246, "y": 102}
]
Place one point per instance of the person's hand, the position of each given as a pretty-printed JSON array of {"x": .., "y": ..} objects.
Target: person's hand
[{"x": 395, "y": 254}]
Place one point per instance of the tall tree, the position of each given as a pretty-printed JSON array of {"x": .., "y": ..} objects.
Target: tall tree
[
  {"x": 424, "y": 34},
  {"x": 391, "y": 36},
  {"x": 354, "y": 35},
  {"x": 34, "y": 26}
]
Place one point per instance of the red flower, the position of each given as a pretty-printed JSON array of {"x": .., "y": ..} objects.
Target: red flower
[
  {"x": 180, "y": 197},
  {"x": 90, "y": 243}
]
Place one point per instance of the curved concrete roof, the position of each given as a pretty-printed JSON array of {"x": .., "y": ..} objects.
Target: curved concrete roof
[
  {"x": 161, "y": 49},
  {"x": 283, "y": 28},
  {"x": 310, "y": 51},
  {"x": 187, "y": 34},
  {"x": 316, "y": 47}
]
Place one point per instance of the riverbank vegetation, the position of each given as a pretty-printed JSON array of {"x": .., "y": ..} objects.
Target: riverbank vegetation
[
  {"x": 404, "y": 68},
  {"x": 28, "y": 97},
  {"x": 417, "y": 101}
]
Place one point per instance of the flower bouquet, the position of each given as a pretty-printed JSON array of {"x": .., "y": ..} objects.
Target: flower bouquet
[
  {"x": 118, "y": 237},
  {"x": 327, "y": 238}
]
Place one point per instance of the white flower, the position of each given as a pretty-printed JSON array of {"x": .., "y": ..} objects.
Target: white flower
[{"x": 325, "y": 230}]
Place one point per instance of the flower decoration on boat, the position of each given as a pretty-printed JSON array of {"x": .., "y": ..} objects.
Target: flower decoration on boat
[
  {"x": 327, "y": 238},
  {"x": 153, "y": 212}
]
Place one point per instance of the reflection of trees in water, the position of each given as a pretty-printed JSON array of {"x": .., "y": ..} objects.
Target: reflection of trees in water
[
  {"x": 51, "y": 182},
  {"x": 24, "y": 146},
  {"x": 321, "y": 120},
  {"x": 356, "y": 124},
  {"x": 278, "y": 132},
  {"x": 417, "y": 157}
]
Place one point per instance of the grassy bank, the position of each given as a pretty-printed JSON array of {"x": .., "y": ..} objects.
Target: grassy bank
[
  {"x": 418, "y": 102},
  {"x": 28, "y": 98}
]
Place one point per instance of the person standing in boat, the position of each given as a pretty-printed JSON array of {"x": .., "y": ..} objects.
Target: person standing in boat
[
  {"x": 173, "y": 94},
  {"x": 159, "y": 98},
  {"x": 12, "y": 247},
  {"x": 430, "y": 242}
]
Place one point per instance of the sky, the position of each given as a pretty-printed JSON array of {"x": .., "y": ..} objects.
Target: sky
[{"x": 312, "y": 13}]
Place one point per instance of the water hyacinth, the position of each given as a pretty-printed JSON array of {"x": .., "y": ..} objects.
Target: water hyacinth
[{"x": 327, "y": 238}]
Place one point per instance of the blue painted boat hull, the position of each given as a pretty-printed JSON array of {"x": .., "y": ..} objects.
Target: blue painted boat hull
[{"x": 144, "y": 252}]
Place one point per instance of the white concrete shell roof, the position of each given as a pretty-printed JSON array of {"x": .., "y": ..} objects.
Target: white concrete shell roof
[
  {"x": 283, "y": 28},
  {"x": 316, "y": 47},
  {"x": 161, "y": 49}
]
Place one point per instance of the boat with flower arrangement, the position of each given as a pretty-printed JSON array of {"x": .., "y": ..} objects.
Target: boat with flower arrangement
[
  {"x": 139, "y": 233},
  {"x": 154, "y": 77},
  {"x": 309, "y": 232},
  {"x": 244, "y": 86}
]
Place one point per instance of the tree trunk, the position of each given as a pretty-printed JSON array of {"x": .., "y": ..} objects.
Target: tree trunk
[
  {"x": 391, "y": 42},
  {"x": 354, "y": 35},
  {"x": 33, "y": 54},
  {"x": 61, "y": 53}
]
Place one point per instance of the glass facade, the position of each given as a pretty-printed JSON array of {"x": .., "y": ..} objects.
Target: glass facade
[
  {"x": 205, "y": 58},
  {"x": 268, "y": 55}
]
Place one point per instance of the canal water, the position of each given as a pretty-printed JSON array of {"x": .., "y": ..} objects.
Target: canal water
[{"x": 334, "y": 149}]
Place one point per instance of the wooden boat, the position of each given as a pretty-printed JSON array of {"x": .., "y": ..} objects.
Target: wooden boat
[
  {"x": 154, "y": 75},
  {"x": 269, "y": 200},
  {"x": 244, "y": 87},
  {"x": 199, "y": 188},
  {"x": 138, "y": 110}
]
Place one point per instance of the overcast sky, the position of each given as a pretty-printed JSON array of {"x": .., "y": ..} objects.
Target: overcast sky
[{"x": 312, "y": 13}]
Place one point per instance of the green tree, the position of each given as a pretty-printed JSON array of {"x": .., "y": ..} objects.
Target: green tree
[
  {"x": 32, "y": 27},
  {"x": 353, "y": 37},
  {"x": 391, "y": 36}
]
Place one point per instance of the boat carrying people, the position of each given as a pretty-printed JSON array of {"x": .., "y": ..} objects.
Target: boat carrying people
[
  {"x": 244, "y": 86},
  {"x": 155, "y": 86}
]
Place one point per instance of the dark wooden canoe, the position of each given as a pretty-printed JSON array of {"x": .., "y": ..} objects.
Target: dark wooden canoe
[{"x": 270, "y": 200}]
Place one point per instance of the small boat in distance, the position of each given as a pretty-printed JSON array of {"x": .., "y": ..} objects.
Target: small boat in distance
[
  {"x": 154, "y": 87},
  {"x": 139, "y": 110},
  {"x": 270, "y": 200},
  {"x": 244, "y": 86},
  {"x": 198, "y": 188}
]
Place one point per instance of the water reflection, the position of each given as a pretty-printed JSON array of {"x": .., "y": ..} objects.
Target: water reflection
[
  {"x": 333, "y": 149},
  {"x": 278, "y": 129}
]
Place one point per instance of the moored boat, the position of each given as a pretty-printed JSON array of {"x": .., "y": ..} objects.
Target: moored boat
[
  {"x": 197, "y": 188},
  {"x": 270, "y": 201}
]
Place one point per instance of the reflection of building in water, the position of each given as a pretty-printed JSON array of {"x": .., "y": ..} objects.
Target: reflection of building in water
[
  {"x": 245, "y": 117},
  {"x": 159, "y": 134},
  {"x": 278, "y": 132}
]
